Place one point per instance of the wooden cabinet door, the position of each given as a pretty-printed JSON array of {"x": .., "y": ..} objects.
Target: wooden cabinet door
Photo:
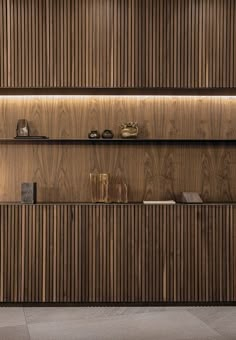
[
  {"x": 118, "y": 43},
  {"x": 189, "y": 44},
  {"x": 40, "y": 248},
  {"x": 118, "y": 253},
  {"x": 159, "y": 254}
]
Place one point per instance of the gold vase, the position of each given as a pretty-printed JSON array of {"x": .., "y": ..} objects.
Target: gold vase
[{"x": 99, "y": 187}]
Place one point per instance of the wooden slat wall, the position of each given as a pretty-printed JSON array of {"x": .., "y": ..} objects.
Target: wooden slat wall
[
  {"x": 118, "y": 43},
  {"x": 119, "y": 253}
]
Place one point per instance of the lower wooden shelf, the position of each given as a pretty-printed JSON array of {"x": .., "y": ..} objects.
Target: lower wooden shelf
[{"x": 130, "y": 253}]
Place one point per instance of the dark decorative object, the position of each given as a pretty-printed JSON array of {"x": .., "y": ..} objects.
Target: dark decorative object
[
  {"x": 190, "y": 197},
  {"x": 22, "y": 129},
  {"x": 129, "y": 130},
  {"x": 94, "y": 134},
  {"x": 107, "y": 134},
  {"x": 28, "y": 193}
]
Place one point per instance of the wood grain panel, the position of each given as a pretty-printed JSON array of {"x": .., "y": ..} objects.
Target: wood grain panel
[
  {"x": 151, "y": 171},
  {"x": 117, "y": 43},
  {"x": 117, "y": 253},
  {"x": 162, "y": 172}
]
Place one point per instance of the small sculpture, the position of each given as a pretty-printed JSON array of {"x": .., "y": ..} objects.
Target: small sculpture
[
  {"x": 107, "y": 134},
  {"x": 94, "y": 134},
  {"x": 22, "y": 129},
  {"x": 129, "y": 130}
]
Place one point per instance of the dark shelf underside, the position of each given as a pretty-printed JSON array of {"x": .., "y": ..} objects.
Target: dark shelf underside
[
  {"x": 119, "y": 91},
  {"x": 119, "y": 141}
]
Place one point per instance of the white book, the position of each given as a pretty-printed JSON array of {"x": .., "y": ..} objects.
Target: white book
[{"x": 159, "y": 202}]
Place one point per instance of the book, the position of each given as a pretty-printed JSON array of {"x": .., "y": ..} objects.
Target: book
[
  {"x": 190, "y": 197},
  {"x": 160, "y": 202}
]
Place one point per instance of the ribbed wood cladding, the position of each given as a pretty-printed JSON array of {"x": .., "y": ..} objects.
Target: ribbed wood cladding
[
  {"x": 120, "y": 253},
  {"x": 117, "y": 43}
]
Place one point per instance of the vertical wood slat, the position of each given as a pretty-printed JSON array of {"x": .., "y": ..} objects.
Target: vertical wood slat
[
  {"x": 233, "y": 239},
  {"x": 133, "y": 43},
  {"x": 129, "y": 253}
]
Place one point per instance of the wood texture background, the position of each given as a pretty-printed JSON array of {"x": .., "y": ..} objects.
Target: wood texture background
[
  {"x": 151, "y": 171},
  {"x": 129, "y": 253},
  {"x": 118, "y": 43}
]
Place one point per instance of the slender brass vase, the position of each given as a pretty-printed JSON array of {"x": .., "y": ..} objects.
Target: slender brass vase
[
  {"x": 121, "y": 193},
  {"x": 99, "y": 187}
]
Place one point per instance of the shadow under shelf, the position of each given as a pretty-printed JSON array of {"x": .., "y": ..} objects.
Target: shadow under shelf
[{"x": 132, "y": 141}]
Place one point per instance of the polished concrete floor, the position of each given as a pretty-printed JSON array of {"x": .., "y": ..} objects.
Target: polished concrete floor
[{"x": 113, "y": 323}]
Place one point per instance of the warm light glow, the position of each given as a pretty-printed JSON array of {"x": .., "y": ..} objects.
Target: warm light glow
[{"x": 112, "y": 96}]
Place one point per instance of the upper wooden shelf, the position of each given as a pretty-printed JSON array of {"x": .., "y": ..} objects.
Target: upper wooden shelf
[
  {"x": 81, "y": 91},
  {"x": 120, "y": 141}
]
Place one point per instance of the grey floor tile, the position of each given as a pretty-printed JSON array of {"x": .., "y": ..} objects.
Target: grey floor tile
[
  {"x": 148, "y": 326},
  {"x": 11, "y": 316},
  {"x": 14, "y": 333},
  {"x": 47, "y": 314},
  {"x": 221, "y": 319}
]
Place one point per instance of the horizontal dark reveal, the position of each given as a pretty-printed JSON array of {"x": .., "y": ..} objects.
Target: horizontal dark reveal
[
  {"x": 119, "y": 91},
  {"x": 133, "y": 141},
  {"x": 131, "y": 204}
]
